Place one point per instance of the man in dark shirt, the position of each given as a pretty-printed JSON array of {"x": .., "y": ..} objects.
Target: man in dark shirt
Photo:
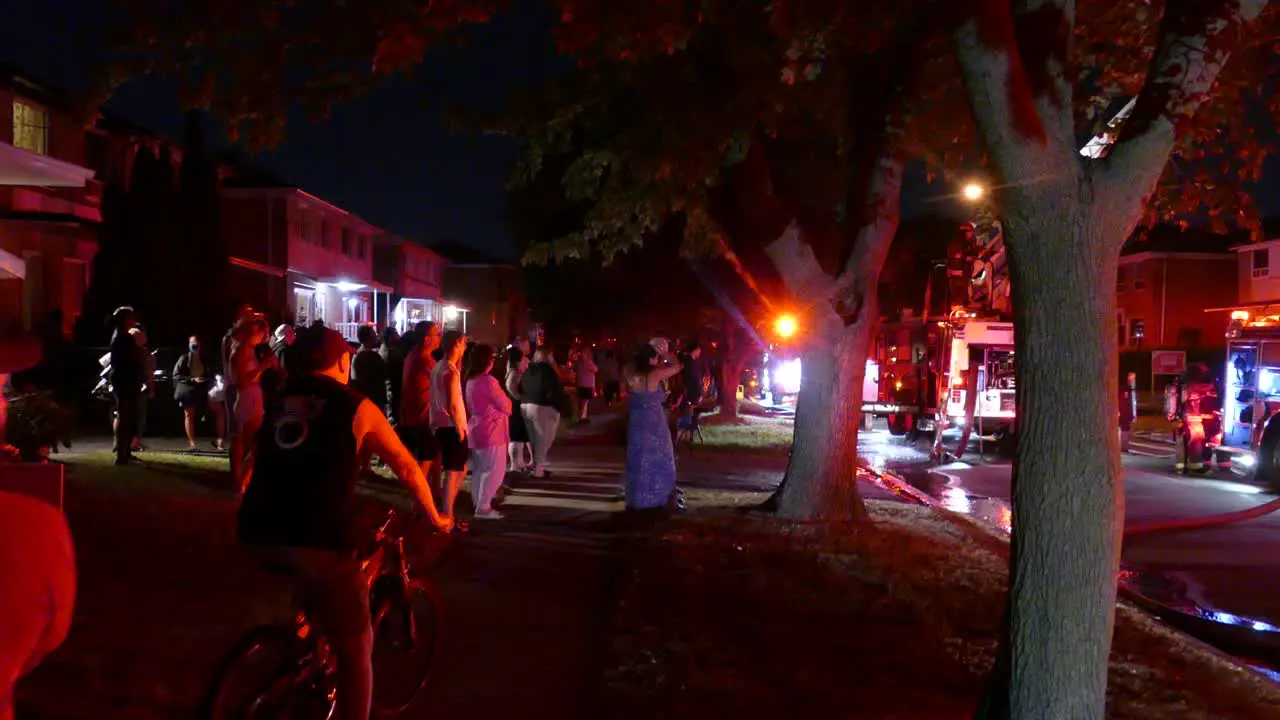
[
  {"x": 299, "y": 508},
  {"x": 127, "y": 377},
  {"x": 691, "y": 375},
  {"x": 368, "y": 369}
]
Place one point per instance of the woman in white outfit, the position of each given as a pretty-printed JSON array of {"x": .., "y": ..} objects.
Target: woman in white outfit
[
  {"x": 246, "y": 376},
  {"x": 488, "y": 412}
]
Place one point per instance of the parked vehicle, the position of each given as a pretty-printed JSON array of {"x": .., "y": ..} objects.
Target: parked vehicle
[{"x": 1250, "y": 399}]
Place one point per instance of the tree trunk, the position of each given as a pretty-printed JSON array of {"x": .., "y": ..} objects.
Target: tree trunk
[
  {"x": 835, "y": 335},
  {"x": 730, "y": 375},
  {"x": 821, "y": 479},
  {"x": 1068, "y": 500}
]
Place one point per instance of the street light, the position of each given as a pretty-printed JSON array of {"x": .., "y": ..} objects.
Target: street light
[
  {"x": 785, "y": 326},
  {"x": 973, "y": 191}
]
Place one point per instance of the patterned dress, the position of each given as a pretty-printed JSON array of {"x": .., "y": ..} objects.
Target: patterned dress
[{"x": 651, "y": 461}]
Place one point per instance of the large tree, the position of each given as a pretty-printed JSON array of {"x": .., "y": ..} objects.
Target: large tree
[
  {"x": 789, "y": 169},
  {"x": 1065, "y": 221}
]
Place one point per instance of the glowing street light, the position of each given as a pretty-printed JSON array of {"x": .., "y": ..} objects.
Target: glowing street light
[
  {"x": 785, "y": 326},
  {"x": 973, "y": 191}
]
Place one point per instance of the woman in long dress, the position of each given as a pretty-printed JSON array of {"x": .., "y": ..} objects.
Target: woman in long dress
[
  {"x": 246, "y": 374},
  {"x": 651, "y": 461}
]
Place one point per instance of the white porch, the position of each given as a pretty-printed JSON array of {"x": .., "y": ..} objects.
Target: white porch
[{"x": 341, "y": 304}]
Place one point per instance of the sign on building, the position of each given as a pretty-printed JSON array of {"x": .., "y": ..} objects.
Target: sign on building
[{"x": 1168, "y": 362}]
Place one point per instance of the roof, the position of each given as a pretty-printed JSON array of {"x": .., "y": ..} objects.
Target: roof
[
  {"x": 23, "y": 167},
  {"x": 17, "y": 78},
  {"x": 458, "y": 253},
  {"x": 1169, "y": 239}
]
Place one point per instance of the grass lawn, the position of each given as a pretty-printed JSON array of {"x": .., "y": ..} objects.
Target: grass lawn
[
  {"x": 720, "y": 616},
  {"x": 751, "y": 434}
]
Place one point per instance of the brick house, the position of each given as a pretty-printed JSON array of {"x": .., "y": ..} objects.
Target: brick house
[
  {"x": 301, "y": 259},
  {"x": 416, "y": 275},
  {"x": 489, "y": 289},
  {"x": 50, "y": 206},
  {"x": 1164, "y": 285}
]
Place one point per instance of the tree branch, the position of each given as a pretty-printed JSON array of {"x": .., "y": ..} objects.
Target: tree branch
[
  {"x": 1196, "y": 38},
  {"x": 1012, "y": 91},
  {"x": 1044, "y": 31}
]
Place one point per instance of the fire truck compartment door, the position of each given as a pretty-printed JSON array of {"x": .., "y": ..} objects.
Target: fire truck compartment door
[
  {"x": 1270, "y": 355},
  {"x": 959, "y": 356}
]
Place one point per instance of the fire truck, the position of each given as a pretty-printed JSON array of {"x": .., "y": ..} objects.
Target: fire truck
[
  {"x": 1251, "y": 393},
  {"x": 956, "y": 371},
  {"x": 966, "y": 378}
]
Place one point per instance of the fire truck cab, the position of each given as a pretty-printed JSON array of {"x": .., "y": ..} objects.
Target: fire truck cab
[{"x": 1251, "y": 393}]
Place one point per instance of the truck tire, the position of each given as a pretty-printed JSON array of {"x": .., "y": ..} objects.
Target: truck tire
[
  {"x": 1007, "y": 444},
  {"x": 1266, "y": 469},
  {"x": 899, "y": 424}
]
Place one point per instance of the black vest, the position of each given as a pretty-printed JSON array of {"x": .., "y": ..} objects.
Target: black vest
[{"x": 302, "y": 492}]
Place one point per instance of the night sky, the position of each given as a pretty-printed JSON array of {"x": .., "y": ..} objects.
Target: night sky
[{"x": 387, "y": 156}]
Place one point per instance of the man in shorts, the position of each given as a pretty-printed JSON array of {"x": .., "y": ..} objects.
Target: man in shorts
[
  {"x": 299, "y": 508},
  {"x": 449, "y": 416}
]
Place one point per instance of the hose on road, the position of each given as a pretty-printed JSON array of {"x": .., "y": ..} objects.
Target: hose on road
[{"x": 1204, "y": 521}]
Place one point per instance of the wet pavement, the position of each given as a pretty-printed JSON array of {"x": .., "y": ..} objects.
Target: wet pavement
[{"x": 1219, "y": 583}]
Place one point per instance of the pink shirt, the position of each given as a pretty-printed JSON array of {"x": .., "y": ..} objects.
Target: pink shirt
[{"x": 489, "y": 408}]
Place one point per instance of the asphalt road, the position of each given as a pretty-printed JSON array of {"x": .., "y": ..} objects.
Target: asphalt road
[{"x": 1232, "y": 568}]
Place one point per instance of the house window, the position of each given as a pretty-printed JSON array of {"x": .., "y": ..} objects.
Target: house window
[
  {"x": 1124, "y": 274},
  {"x": 323, "y": 240},
  {"x": 362, "y": 247},
  {"x": 346, "y": 241},
  {"x": 30, "y": 128},
  {"x": 1136, "y": 280},
  {"x": 1261, "y": 262},
  {"x": 1137, "y": 332},
  {"x": 302, "y": 307}
]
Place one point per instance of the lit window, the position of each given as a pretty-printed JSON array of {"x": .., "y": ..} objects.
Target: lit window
[
  {"x": 30, "y": 128},
  {"x": 1137, "y": 332}
]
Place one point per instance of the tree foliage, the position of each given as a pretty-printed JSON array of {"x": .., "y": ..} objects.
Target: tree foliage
[{"x": 251, "y": 62}]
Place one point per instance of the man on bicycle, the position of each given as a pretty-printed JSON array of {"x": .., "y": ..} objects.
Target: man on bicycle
[{"x": 299, "y": 508}]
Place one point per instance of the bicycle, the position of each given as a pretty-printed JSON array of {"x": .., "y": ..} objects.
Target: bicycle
[{"x": 277, "y": 672}]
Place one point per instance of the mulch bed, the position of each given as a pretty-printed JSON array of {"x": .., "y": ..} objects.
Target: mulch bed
[{"x": 746, "y": 616}]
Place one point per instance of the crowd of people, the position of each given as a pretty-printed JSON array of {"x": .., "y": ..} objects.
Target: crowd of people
[{"x": 305, "y": 412}]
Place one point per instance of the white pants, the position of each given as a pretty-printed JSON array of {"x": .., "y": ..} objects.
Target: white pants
[
  {"x": 488, "y": 470},
  {"x": 541, "y": 422}
]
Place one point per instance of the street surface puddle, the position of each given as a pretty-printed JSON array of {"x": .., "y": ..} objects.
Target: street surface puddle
[{"x": 1168, "y": 595}]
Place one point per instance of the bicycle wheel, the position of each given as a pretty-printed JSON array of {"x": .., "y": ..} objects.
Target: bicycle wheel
[
  {"x": 262, "y": 679},
  {"x": 405, "y": 637}
]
